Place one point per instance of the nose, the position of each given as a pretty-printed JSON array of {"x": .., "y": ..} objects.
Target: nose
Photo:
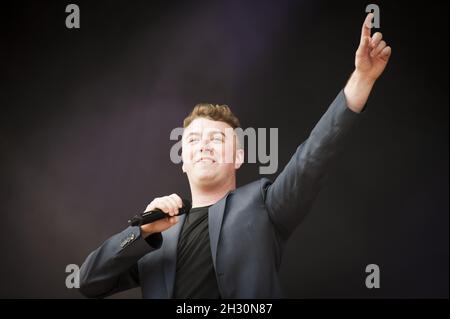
[{"x": 204, "y": 145}]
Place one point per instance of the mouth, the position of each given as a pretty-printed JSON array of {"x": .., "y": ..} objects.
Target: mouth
[{"x": 206, "y": 160}]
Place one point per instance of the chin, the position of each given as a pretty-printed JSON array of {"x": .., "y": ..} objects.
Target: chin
[{"x": 205, "y": 179}]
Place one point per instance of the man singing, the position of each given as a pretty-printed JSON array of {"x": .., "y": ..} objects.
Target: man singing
[{"x": 231, "y": 242}]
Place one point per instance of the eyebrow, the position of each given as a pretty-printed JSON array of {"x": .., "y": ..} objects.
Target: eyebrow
[{"x": 211, "y": 132}]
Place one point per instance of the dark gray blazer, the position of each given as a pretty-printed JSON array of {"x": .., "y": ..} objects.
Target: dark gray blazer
[{"x": 248, "y": 228}]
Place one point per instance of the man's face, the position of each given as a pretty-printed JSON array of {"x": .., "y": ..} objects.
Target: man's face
[{"x": 209, "y": 152}]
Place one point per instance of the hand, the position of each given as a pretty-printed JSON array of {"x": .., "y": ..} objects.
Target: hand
[
  {"x": 167, "y": 204},
  {"x": 371, "y": 59},
  {"x": 373, "y": 53}
]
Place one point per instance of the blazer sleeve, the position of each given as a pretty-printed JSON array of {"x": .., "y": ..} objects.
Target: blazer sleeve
[
  {"x": 112, "y": 267},
  {"x": 291, "y": 195}
]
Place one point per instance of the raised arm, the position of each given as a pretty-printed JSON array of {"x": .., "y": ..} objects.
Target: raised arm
[{"x": 291, "y": 195}]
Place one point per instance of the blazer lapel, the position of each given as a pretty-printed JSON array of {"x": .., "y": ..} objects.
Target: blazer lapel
[
  {"x": 215, "y": 217},
  {"x": 170, "y": 244}
]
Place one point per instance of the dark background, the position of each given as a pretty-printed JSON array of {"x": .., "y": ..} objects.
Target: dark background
[{"x": 86, "y": 116}]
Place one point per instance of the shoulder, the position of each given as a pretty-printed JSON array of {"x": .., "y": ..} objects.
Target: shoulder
[{"x": 255, "y": 188}]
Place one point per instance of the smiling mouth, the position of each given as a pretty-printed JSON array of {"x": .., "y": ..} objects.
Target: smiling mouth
[{"x": 206, "y": 160}]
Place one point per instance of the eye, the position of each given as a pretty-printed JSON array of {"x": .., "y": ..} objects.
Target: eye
[
  {"x": 218, "y": 138},
  {"x": 192, "y": 139}
]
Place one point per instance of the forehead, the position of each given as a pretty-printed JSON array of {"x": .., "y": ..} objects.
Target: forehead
[{"x": 204, "y": 125}]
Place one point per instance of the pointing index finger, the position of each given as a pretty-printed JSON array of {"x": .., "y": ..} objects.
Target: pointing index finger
[{"x": 367, "y": 25}]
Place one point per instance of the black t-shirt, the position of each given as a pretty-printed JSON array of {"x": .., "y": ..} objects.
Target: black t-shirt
[{"x": 195, "y": 275}]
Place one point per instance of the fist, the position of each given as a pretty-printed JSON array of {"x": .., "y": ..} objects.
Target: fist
[{"x": 169, "y": 205}]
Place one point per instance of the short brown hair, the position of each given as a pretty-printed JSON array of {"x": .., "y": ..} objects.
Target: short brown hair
[{"x": 212, "y": 112}]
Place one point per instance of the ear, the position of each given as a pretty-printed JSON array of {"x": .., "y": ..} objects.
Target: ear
[
  {"x": 183, "y": 168},
  {"x": 239, "y": 158}
]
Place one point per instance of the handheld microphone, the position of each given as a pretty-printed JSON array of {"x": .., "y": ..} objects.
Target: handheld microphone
[{"x": 157, "y": 214}]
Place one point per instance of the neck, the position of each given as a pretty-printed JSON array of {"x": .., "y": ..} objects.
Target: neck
[{"x": 207, "y": 195}]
